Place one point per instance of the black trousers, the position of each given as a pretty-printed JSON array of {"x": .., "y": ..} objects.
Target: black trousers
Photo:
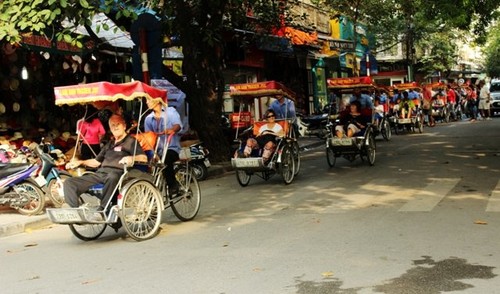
[{"x": 74, "y": 187}]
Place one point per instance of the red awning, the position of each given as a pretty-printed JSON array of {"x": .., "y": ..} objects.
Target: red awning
[
  {"x": 260, "y": 89},
  {"x": 105, "y": 91},
  {"x": 347, "y": 83}
]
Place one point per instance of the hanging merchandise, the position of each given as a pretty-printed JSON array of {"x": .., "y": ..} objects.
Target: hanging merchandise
[
  {"x": 2, "y": 108},
  {"x": 16, "y": 107}
]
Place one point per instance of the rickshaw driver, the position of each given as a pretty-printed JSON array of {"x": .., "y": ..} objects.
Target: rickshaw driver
[
  {"x": 120, "y": 150},
  {"x": 165, "y": 121},
  {"x": 364, "y": 99},
  {"x": 284, "y": 108}
]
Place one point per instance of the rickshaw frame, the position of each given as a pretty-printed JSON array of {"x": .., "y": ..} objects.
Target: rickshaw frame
[
  {"x": 286, "y": 156},
  {"x": 350, "y": 147},
  {"x": 141, "y": 196}
]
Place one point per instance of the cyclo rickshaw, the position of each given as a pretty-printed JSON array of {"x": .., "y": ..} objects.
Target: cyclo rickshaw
[
  {"x": 141, "y": 194},
  {"x": 253, "y": 99},
  {"x": 416, "y": 120},
  {"x": 439, "y": 107},
  {"x": 350, "y": 147}
]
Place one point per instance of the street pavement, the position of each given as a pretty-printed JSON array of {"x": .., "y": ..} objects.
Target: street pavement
[{"x": 12, "y": 222}]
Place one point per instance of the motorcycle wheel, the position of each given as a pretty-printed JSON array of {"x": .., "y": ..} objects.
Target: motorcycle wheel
[
  {"x": 200, "y": 171},
  {"x": 53, "y": 188},
  {"x": 35, "y": 196}
]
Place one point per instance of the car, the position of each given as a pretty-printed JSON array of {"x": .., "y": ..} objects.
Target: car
[{"x": 495, "y": 97}]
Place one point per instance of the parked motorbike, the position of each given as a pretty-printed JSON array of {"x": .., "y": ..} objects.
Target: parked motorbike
[
  {"x": 315, "y": 125},
  {"x": 50, "y": 177},
  {"x": 19, "y": 190},
  {"x": 199, "y": 161}
]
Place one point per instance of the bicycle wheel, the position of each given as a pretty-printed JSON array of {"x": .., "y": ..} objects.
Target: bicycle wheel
[
  {"x": 88, "y": 232},
  {"x": 187, "y": 203},
  {"x": 33, "y": 196},
  {"x": 296, "y": 156},
  {"x": 55, "y": 189},
  {"x": 141, "y": 209},
  {"x": 331, "y": 159},
  {"x": 370, "y": 149},
  {"x": 386, "y": 130},
  {"x": 420, "y": 120},
  {"x": 243, "y": 177},
  {"x": 286, "y": 166}
]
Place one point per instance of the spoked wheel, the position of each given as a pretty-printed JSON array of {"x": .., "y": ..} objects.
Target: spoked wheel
[
  {"x": 386, "y": 130},
  {"x": 330, "y": 157},
  {"x": 140, "y": 210},
  {"x": 296, "y": 157},
  {"x": 370, "y": 149},
  {"x": 187, "y": 203},
  {"x": 33, "y": 196},
  {"x": 88, "y": 232},
  {"x": 420, "y": 124},
  {"x": 200, "y": 170},
  {"x": 243, "y": 177},
  {"x": 286, "y": 166},
  {"x": 55, "y": 189}
]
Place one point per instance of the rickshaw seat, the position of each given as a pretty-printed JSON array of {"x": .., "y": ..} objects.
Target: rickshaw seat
[{"x": 282, "y": 122}]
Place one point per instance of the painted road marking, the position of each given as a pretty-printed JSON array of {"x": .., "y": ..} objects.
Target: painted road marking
[
  {"x": 494, "y": 201},
  {"x": 430, "y": 196}
]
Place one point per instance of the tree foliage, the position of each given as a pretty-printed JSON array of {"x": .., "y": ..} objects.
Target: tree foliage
[{"x": 492, "y": 52}]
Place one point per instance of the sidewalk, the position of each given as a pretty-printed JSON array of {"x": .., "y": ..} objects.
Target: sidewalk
[{"x": 12, "y": 222}]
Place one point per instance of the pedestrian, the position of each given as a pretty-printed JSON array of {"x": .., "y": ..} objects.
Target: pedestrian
[
  {"x": 91, "y": 133},
  {"x": 484, "y": 100}
]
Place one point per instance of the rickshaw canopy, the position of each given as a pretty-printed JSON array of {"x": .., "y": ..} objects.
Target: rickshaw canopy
[
  {"x": 261, "y": 89},
  {"x": 348, "y": 85},
  {"x": 106, "y": 92},
  {"x": 408, "y": 86}
]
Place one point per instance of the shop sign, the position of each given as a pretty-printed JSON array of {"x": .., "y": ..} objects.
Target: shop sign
[
  {"x": 343, "y": 45},
  {"x": 44, "y": 44}
]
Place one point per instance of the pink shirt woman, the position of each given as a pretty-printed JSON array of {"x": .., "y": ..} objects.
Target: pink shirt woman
[{"x": 91, "y": 133}]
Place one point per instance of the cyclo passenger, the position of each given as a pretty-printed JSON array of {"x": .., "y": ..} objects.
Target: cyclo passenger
[
  {"x": 379, "y": 111},
  {"x": 265, "y": 138},
  {"x": 121, "y": 149},
  {"x": 406, "y": 106},
  {"x": 439, "y": 101},
  {"x": 353, "y": 123}
]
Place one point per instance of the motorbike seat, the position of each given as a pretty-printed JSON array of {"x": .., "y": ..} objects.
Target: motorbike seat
[{"x": 7, "y": 169}]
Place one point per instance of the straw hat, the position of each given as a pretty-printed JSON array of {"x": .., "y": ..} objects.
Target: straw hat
[
  {"x": 13, "y": 84},
  {"x": 16, "y": 107},
  {"x": 65, "y": 136},
  {"x": 16, "y": 136}
]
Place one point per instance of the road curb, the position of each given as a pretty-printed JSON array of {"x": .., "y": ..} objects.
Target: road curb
[{"x": 21, "y": 227}]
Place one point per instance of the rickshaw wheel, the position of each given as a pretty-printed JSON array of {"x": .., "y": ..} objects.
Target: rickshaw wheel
[
  {"x": 386, "y": 130},
  {"x": 286, "y": 166},
  {"x": 296, "y": 157},
  {"x": 140, "y": 210},
  {"x": 330, "y": 157},
  {"x": 243, "y": 177},
  {"x": 187, "y": 203},
  {"x": 420, "y": 122},
  {"x": 370, "y": 149},
  {"x": 88, "y": 232}
]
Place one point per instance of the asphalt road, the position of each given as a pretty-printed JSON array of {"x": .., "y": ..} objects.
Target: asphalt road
[{"x": 424, "y": 219}]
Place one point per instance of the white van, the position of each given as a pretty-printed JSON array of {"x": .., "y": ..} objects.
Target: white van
[{"x": 495, "y": 97}]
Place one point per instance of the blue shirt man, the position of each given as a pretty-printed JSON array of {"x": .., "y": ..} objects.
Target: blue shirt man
[
  {"x": 165, "y": 121},
  {"x": 364, "y": 99},
  {"x": 412, "y": 94},
  {"x": 168, "y": 119},
  {"x": 283, "y": 108}
]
